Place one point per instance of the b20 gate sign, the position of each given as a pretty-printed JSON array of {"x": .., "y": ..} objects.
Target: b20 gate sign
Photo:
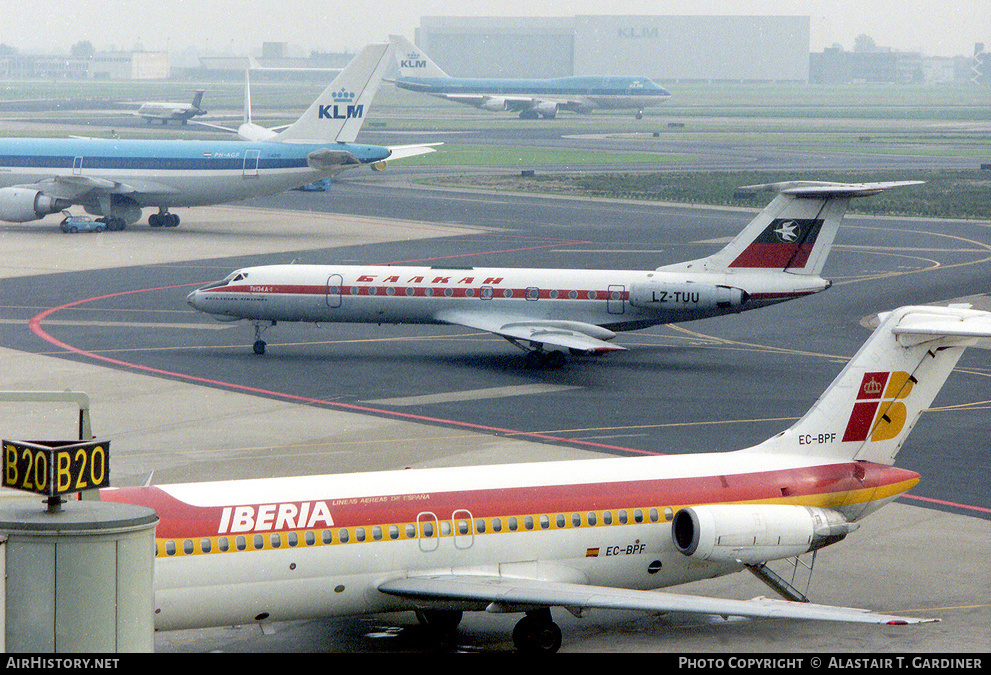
[{"x": 56, "y": 468}]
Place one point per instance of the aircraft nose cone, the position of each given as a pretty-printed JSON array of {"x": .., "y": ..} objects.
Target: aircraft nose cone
[{"x": 192, "y": 299}]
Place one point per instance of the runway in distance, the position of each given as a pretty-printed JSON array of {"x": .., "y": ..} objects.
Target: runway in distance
[
  {"x": 531, "y": 98},
  {"x": 778, "y": 256},
  {"x": 172, "y": 112},
  {"x": 580, "y": 534},
  {"x": 116, "y": 179}
]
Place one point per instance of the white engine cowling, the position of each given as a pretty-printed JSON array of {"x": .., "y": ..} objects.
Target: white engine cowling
[
  {"x": 546, "y": 109},
  {"x": 19, "y": 205},
  {"x": 755, "y": 533},
  {"x": 495, "y": 103},
  {"x": 686, "y": 296}
]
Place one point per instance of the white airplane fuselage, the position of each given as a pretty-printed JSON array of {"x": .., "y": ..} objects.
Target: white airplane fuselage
[
  {"x": 284, "y": 549},
  {"x": 612, "y": 299},
  {"x": 171, "y": 173}
]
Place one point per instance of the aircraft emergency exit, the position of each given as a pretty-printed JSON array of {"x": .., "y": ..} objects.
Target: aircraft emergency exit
[
  {"x": 582, "y": 534},
  {"x": 116, "y": 179},
  {"x": 778, "y": 256}
]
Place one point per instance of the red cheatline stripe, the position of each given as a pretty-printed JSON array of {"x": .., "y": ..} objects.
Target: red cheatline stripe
[{"x": 35, "y": 325}]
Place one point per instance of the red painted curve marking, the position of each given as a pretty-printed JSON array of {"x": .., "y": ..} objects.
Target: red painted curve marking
[{"x": 35, "y": 326}]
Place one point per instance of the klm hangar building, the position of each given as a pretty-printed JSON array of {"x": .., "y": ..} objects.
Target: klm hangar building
[{"x": 667, "y": 49}]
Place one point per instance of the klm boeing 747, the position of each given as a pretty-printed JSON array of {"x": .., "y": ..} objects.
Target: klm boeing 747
[
  {"x": 531, "y": 98},
  {"x": 116, "y": 179}
]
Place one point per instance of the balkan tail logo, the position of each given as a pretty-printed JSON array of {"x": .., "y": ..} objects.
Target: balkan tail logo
[
  {"x": 786, "y": 242},
  {"x": 878, "y": 412}
]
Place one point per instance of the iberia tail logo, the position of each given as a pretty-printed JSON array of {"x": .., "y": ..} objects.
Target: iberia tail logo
[{"x": 878, "y": 411}]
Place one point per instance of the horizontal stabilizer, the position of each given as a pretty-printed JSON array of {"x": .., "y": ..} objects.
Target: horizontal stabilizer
[
  {"x": 820, "y": 189},
  {"x": 512, "y": 594},
  {"x": 401, "y": 151}
]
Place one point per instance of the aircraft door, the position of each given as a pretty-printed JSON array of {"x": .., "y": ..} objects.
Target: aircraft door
[
  {"x": 464, "y": 528},
  {"x": 334, "y": 284},
  {"x": 616, "y": 299},
  {"x": 250, "y": 164},
  {"x": 427, "y": 531},
  {"x": 77, "y": 166}
]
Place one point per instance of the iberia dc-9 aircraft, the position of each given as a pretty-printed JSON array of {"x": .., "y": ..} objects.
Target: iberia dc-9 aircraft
[
  {"x": 777, "y": 257},
  {"x": 581, "y": 534}
]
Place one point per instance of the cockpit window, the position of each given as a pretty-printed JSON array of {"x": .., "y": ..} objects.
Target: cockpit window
[{"x": 229, "y": 279}]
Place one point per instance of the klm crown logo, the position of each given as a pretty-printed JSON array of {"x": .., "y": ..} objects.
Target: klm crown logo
[{"x": 343, "y": 107}]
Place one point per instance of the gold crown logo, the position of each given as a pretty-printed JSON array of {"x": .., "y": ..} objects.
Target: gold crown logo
[{"x": 872, "y": 387}]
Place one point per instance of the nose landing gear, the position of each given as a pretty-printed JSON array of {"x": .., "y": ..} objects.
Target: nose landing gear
[{"x": 261, "y": 327}]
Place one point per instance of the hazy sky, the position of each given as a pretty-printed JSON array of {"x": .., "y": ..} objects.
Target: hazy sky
[{"x": 947, "y": 28}]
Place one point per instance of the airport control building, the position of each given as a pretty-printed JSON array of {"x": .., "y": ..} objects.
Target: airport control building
[{"x": 667, "y": 49}]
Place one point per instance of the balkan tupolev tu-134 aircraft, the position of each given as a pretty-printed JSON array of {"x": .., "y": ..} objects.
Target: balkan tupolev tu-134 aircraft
[
  {"x": 778, "y": 256},
  {"x": 581, "y": 535}
]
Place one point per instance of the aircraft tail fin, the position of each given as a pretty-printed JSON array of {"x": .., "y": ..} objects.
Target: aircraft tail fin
[
  {"x": 247, "y": 96},
  {"x": 793, "y": 233},
  {"x": 198, "y": 97},
  {"x": 870, "y": 408},
  {"x": 411, "y": 60},
  {"x": 338, "y": 113}
]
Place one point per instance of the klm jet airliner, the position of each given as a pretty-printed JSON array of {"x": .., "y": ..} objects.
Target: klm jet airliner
[
  {"x": 531, "y": 98},
  {"x": 116, "y": 179}
]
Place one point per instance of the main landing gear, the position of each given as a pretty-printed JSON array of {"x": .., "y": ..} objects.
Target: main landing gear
[
  {"x": 538, "y": 359},
  {"x": 535, "y": 633},
  {"x": 163, "y": 219}
]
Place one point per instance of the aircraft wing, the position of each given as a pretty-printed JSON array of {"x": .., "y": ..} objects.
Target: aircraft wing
[
  {"x": 516, "y": 594},
  {"x": 73, "y": 188},
  {"x": 567, "y": 334}
]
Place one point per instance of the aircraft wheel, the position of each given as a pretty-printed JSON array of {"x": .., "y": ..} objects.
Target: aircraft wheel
[
  {"x": 155, "y": 220},
  {"x": 535, "y": 633},
  {"x": 535, "y": 360},
  {"x": 171, "y": 220},
  {"x": 554, "y": 359},
  {"x": 439, "y": 619},
  {"x": 259, "y": 347}
]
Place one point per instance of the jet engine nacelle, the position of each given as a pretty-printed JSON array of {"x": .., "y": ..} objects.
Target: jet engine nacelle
[
  {"x": 546, "y": 109},
  {"x": 494, "y": 103},
  {"x": 686, "y": 296},
  {"x": 19, "y": 205},
  {"x": 755, "y": 533}
]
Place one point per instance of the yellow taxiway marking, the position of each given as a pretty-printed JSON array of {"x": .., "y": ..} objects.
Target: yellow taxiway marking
[{"x": 473, "y": 394}]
